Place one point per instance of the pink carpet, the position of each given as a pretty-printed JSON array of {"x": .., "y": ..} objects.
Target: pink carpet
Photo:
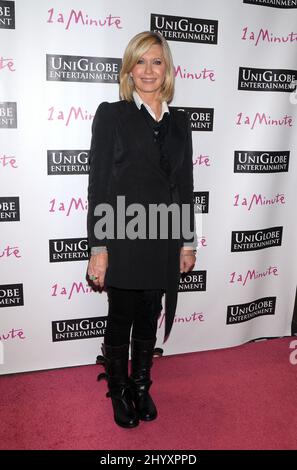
[{"x": 236, "y": 398}]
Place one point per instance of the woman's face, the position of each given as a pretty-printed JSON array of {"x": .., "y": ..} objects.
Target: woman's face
[{"x": 149, "y": 72}]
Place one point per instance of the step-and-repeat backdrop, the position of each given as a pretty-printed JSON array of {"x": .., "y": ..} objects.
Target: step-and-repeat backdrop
[{"x": 236, "y": 70}]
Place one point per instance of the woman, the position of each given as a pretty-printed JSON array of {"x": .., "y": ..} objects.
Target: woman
[{"x": 141, "y": 151}]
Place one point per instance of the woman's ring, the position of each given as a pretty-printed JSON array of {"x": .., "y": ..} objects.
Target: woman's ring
[{"x": 93, "y": 278}]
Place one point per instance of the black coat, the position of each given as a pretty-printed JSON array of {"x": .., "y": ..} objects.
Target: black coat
[{"x": 125, "y": 160}]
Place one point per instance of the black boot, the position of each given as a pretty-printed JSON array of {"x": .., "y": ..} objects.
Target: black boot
[
  {"x": 142, "y": 360},
  {"x": 116, "y": 366}
]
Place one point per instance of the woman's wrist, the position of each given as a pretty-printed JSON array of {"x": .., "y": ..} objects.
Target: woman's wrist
[{"x": 188, "y": 252}]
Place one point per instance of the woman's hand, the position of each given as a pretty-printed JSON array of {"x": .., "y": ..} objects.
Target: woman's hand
[
  {"x": 97, "y": 268},
  {"x": 187, "y": 260}
]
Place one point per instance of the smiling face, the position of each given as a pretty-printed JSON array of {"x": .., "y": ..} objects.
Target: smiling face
[{"x": 149, "y": 72}]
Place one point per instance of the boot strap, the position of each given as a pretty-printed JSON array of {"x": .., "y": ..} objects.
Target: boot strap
[
  {"x": 141, "y": 387},
  {"x": 100, "y": 360},
  {"x": 158, "y": 352},
  {"x": 102, "y": 376},
  {"x": 118, "y": 392}
]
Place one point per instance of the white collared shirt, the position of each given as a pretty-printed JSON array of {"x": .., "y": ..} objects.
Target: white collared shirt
[{"x": 139, "y": 102}]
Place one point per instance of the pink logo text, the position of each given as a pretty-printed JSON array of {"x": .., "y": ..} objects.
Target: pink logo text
[
  {"x": 67, "y": 207},
  {"x": 7, "y": 63},
  {"x": 264, "y": 120},
  {"x": 252, "y": 274},
  {"x": 264, "y": 35},
  {"x": 13, "y": 334},
  {"x": 82, "y": 18},
  {"x": 203, "y": 74},
  {"x": 201, "y": 160},
  {"x": 72, "y": 113},
  {"x": 10, "y": 251},
  {"x": 69, "y": 292},
  {"x": 9, "y": 161},
  {"x": 258, "y": 200},
  {"x": 195, "y": 317}
]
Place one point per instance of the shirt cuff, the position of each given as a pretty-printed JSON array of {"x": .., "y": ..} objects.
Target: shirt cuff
[{"x": 95, "y": 250}]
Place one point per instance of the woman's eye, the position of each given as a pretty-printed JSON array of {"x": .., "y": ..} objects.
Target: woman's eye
[
  {"x": 157, "y": 62},
  {"x": 140, "y": 61}
]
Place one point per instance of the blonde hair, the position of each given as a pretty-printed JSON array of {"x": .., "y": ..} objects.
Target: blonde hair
[{"x": 135, "y": 49}]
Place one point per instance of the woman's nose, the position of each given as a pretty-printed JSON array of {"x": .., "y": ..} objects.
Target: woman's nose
[{"x": 148, "y": 67}]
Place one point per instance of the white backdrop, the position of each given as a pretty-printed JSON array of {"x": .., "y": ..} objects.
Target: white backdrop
[{"x": 49, "y": 317}]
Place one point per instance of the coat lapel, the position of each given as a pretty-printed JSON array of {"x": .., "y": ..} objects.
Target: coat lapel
[{"x": 175, "y": 140}]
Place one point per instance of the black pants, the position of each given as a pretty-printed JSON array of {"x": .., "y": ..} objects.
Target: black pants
[{"x": 128, "y": 308}]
